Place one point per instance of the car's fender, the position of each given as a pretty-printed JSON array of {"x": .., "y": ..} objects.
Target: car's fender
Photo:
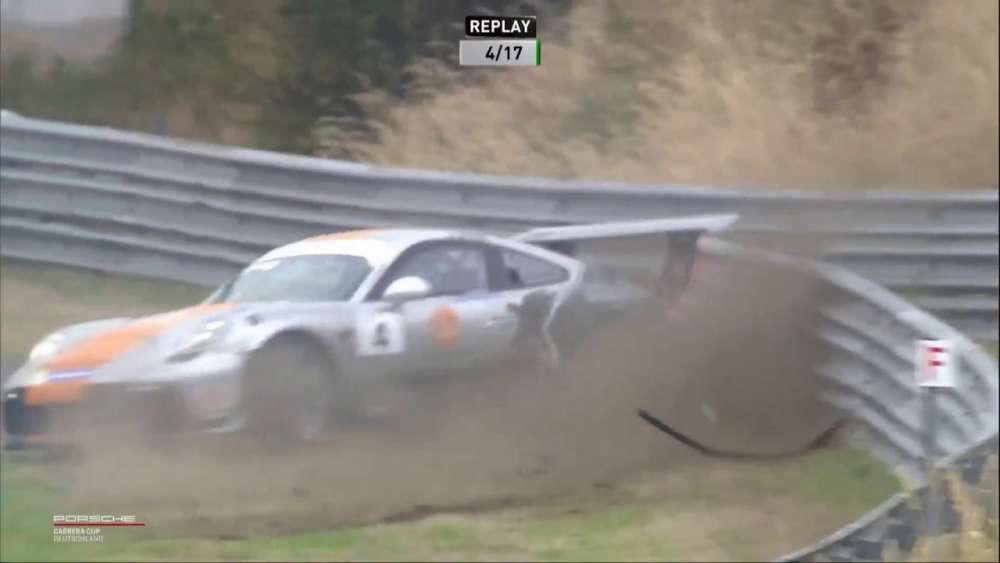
[{"x": 71, "y": 335}]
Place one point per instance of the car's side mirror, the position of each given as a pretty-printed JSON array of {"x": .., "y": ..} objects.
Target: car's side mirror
[{"x": 406, "y": 289}]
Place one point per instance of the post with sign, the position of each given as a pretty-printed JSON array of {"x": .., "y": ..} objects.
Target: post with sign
[{"x": 935, "y": 368}]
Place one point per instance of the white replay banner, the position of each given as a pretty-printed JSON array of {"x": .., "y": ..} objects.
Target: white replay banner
[{"x": 499, "y": 52}]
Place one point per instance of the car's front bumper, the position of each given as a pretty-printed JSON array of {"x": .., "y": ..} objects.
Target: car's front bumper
[
  {"x": 104, "y": 409},
  {"x": 200, "y": 395}
]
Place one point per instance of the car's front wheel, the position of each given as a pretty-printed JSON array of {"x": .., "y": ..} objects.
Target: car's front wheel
[{"x": 288, "y": 392}]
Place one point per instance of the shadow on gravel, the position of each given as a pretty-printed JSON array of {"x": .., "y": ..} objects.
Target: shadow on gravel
[{"x": 733, "y": 371}]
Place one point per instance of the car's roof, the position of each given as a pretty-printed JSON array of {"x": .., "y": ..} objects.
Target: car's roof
[
  {"x": 376, "y": 245},
  {"x": 401, "y": 237}
]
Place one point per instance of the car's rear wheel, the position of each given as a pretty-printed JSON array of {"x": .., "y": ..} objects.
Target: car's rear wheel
[{"x": 288, "y": 393}]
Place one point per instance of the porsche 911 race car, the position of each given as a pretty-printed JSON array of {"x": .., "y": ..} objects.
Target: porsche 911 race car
[{"x": 295, "y": 338}]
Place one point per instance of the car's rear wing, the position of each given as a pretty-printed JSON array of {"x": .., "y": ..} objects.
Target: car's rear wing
[
  {"x": 660, "y": 251},
  {"x": 678, "y": 225}
]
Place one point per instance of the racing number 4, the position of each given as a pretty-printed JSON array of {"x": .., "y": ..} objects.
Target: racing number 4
[
  {"x": 380, "y": 334},
  {"x": 381, "y": 339}
]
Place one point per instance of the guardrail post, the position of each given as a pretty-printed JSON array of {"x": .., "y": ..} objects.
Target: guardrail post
[
  {"x": 935, "y": 368},
  {"x": 932, "y": 503}
]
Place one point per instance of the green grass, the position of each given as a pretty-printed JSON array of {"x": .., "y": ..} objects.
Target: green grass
[
  {"x": 990, "y": 347},
  {"x": 35, "y": 300},
  {"x": 723, "y": 512}
]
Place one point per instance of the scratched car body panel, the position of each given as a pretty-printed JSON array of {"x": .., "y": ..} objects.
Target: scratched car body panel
[{"x": 386, "y": 307}]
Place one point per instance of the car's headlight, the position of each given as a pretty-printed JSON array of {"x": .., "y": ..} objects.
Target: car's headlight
[
  {"x": 46, "y": 348},
  {"x": 199, "y": 341},
  {"x": 37, "y": 377}
]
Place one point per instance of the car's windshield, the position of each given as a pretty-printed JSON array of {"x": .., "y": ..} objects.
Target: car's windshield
[{"x": 326, "y": 277}]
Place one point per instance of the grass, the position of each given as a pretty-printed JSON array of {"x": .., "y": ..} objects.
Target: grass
[
  {"x": 746, "y": 511},
  {"x": 35, "y": 300},
  {"x": 836, "y": 96},
  {"x": 991, "y": 348},
  {"x": 976, "y": 504}
]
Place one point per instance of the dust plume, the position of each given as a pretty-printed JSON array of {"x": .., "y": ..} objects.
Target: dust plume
[{"x": 732, "y": 370}]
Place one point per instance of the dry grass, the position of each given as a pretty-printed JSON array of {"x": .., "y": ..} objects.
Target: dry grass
[
  {"x": 823, "y": 95},
  {"x": 976, "y": 540}
]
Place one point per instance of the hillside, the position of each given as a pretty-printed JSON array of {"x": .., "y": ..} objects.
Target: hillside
[{"x": 826, "y": 95}]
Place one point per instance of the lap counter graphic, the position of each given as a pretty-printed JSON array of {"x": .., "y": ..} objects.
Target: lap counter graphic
[{"x": 500, "y": 41}]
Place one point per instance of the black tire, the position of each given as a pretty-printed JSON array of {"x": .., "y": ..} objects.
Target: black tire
[{"x": 288, "y": 393}]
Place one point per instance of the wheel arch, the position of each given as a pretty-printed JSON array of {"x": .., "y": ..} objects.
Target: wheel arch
[{"x": 301, "y": 337}]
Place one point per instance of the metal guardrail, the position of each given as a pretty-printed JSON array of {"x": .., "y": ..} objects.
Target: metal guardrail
[
  {"x": 870, "y": 333},
  {"x": 143, "y": 205},
  {"x": 187, "y": 198}
]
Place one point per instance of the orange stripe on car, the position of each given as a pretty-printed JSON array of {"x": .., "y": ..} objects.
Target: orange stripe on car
[
  {"x": 100, "y": 349},
  {"x": 445, "y": 326},
  {"x": 45, "y": 440},
  {"x": 55, "y": 392},
  {"x": 345, "y": 235}
]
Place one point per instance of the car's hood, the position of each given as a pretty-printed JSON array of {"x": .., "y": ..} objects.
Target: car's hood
[
  {"x": 104, "y": 346},
  {"x": 94, "y": 351},
  {"x": 89, "y": 346}
]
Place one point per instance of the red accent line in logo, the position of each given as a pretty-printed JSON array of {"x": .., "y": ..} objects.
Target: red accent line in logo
[{"x": 97, "y": 524}]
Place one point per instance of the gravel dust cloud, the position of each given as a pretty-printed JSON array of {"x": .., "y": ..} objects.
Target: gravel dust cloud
[{"x": 733, "y": 372}]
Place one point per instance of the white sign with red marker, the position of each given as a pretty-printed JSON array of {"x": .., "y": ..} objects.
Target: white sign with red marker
[{"x": 935, "y": 363}]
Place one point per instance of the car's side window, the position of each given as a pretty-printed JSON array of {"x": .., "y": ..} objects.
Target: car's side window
[
  {"x": 450, "y": 269},
  {"x": 523, "y": 270}
]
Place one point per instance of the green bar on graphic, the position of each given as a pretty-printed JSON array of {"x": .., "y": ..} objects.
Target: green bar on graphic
[{"x": 538, "y": 52}]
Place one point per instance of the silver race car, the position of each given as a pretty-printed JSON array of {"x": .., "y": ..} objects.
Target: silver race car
[{"x": 302, "y": 333}]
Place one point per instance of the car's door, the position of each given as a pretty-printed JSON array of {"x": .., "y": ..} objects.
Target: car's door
[
  {"x": 452, "y": 328},
  {"x": 528, "y": 286}
]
